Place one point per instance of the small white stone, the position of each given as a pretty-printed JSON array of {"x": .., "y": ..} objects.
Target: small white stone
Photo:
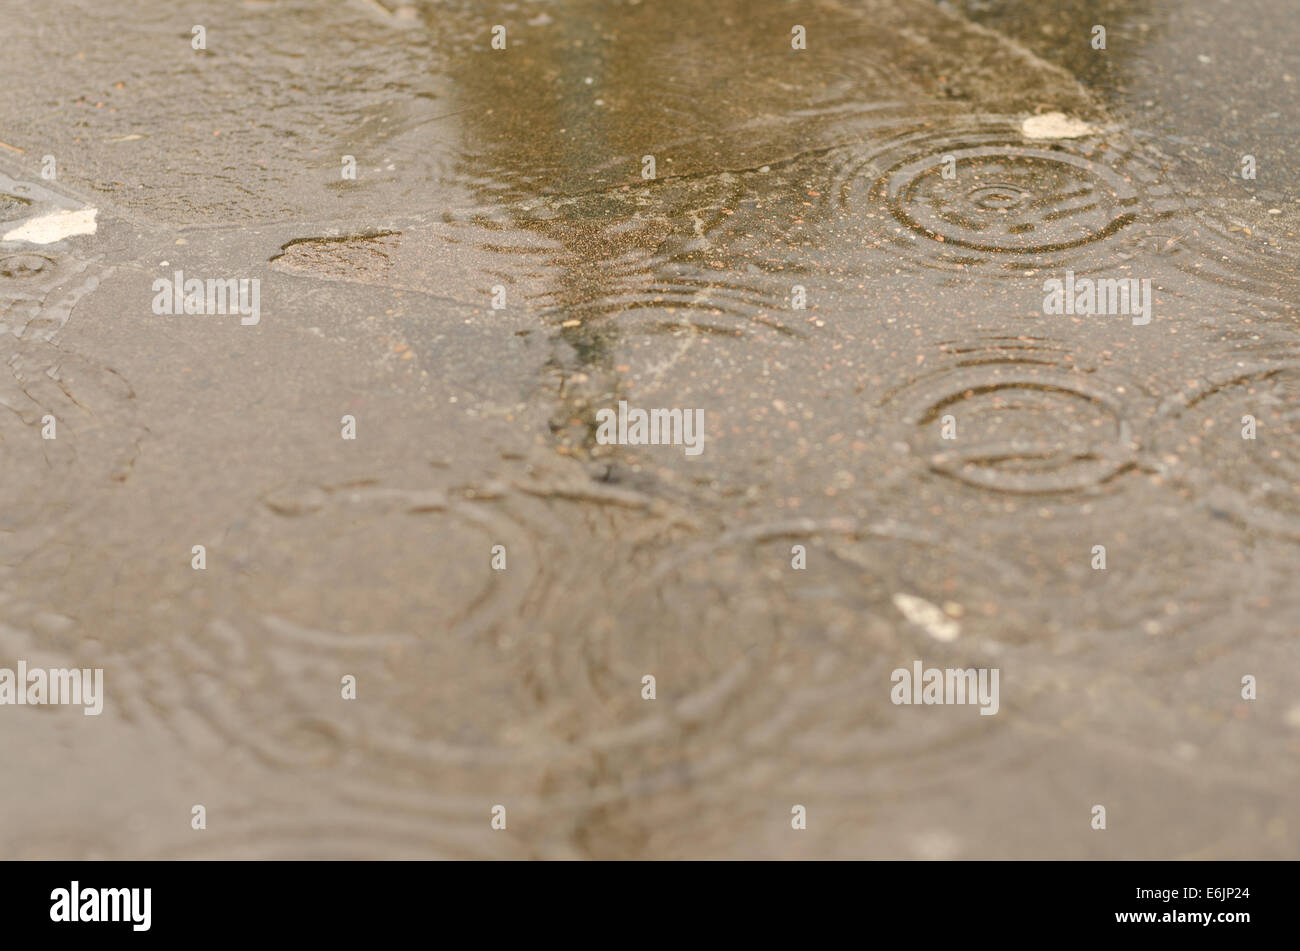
[
  {"x": 1055, "y": 125},
  {"x": 54, "y": 226},
  {"x": 929, "y": 617}
]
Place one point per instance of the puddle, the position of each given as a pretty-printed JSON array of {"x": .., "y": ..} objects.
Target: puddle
[
  {"x": 1021, "y": 428},
  {"x": 1255, "y": 480},
  {"x": 838, "y": 249}
]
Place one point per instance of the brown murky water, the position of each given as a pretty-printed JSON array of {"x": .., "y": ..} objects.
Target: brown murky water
[{"x": 780, "y": 174}]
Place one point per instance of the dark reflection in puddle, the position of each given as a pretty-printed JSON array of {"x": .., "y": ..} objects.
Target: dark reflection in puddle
[{"x": 803, "y": 268}]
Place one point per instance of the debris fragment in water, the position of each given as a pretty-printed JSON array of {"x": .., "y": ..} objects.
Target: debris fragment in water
[
  {"x": 928, "y": 617},
  {"x": 54, "y": 226},
  {"x": 1055, "y": 125}
]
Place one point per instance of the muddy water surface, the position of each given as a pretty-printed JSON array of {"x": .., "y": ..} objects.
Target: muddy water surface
[{"x": 519, "y": 171}]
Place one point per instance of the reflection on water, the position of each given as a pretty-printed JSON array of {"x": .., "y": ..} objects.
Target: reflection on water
[{"x": 881, "y": 176}]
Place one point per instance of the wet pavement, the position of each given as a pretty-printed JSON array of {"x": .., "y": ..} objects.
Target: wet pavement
[{"x": 801, "y": 268}]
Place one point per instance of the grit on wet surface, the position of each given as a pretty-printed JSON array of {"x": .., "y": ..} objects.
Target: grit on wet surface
[{"x": 780, "y": 173}]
